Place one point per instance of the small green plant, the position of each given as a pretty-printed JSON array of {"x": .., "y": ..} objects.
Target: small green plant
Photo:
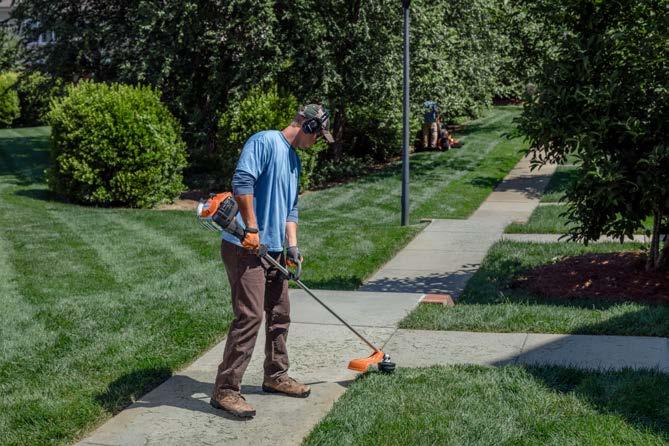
[
  {"x": 115, "y": 145},
  {"x": 9, "y": 100}
]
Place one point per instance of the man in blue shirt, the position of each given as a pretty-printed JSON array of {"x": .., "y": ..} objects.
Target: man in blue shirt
[{"x": 265, "y": 186}]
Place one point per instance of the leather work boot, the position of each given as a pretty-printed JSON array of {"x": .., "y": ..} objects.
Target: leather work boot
[
  {"x": 232, "y": 402},
  {"x": 286, "y": 385}
]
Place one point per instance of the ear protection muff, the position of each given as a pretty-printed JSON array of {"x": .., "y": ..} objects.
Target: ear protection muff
[{"x": 314, "y": 125}]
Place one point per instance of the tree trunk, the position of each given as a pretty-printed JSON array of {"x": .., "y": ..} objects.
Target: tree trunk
[
  {"x": 654, "y": 255},
  {"x": 663, "y": 259},
  {"x": 338, "y": 133}
]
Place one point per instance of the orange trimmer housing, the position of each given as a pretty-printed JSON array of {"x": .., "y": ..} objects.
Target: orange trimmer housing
[
  {"x": 213, "y": 203},
  {"x": 362, "y": 364}
]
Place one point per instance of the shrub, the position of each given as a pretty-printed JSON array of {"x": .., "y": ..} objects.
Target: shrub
[
  {"x": 9, "y": 100},
  {"x": 260, "y": 109},
  {"x": 36, "y": 90},
  {"x": 114, "y": 144}
]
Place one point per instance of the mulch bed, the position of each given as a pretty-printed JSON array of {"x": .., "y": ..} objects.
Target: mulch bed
[{"x": 610, "y": 276}]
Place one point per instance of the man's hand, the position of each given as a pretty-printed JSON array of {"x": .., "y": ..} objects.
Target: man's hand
[
  {"x": 251, "y": 240},
  {"x": 293, "y": 257}
]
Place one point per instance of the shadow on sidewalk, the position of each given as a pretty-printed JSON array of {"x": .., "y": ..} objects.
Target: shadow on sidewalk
[
  {"x": 452, "y": 283},
  {"x": 165, "y": 389}
]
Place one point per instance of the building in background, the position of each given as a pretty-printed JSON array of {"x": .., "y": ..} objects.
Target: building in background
[{"x": 5, "y": 8}]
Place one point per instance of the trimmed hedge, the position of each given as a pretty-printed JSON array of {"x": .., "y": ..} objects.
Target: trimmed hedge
[
  {"x": 9, "y": 100},
  {"x": 115, "y": 145}
]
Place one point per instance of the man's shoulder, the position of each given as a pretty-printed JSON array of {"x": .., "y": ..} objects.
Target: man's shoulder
[{"x": 267, "y": 136}]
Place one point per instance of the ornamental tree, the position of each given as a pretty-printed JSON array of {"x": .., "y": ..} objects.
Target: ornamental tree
[{"x": 602, "y": 100}]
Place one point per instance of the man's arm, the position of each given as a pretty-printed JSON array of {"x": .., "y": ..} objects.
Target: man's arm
[
  {"x": 291, "y": 233},
  {"x": 245, "y": 203}
]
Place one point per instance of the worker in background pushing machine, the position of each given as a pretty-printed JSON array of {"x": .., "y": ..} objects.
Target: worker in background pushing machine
[
  {"x": 430, "y": 127},
  {"x": 265, "y": 186}
]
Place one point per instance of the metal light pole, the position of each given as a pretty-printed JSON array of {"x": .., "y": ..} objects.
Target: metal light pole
[{"x": 405, "y": 139}]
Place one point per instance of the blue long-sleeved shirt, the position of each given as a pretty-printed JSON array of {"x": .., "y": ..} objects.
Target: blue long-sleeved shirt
[{"x": 268, "y": 168}]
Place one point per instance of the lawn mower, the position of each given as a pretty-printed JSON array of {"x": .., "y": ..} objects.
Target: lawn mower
[{"x": 219, "y": 213}]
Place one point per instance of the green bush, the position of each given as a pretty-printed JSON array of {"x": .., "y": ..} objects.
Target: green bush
[
  {"x": 9, "y": 100},
  {"x": 36, "y": 90},
  {"x": 261, "y": 109},
  {"x": 114, "y": 144}
]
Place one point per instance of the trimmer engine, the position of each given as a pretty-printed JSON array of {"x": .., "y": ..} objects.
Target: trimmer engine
[{"x": 218, "y": 214}]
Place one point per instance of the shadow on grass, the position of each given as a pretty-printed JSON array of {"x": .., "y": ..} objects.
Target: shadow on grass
[
  {"x": 344, "y": 283},
  {"x": 561, "y": 180},
  {"x": 42, "y": 194},
  {"x": 640, "y": 397},
  {"x": 25, "y": 158}
]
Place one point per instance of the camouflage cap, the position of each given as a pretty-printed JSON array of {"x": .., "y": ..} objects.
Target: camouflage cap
[{"x": 317, "y": 111}]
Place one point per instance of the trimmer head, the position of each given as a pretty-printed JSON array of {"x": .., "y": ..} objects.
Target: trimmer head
[{"x": 378, "y": 357}]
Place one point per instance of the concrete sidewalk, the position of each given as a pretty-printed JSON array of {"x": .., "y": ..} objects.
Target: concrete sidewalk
[
  {"x": 443, "y": 257},
  {"x": 178, "y": 411},
  {"x": 424, "y": 348}
]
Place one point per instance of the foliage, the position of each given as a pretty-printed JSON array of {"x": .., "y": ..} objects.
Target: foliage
[
  {"x": 114, "y": 145},
  {"x": 260, "y": 109},
  {"x": 36, "y": 90},
  {"x": 604, "y": 97},
  {"x": 525, "y": 39},
  {"x": 329, "y": 171},
  {"x": 204, "y": 56},
  {"x": 359, "y": 66},
  {"x": 199, "y": 53},
  {"x": 11, "y": 49},
  {"x": 9, "y": 100}
]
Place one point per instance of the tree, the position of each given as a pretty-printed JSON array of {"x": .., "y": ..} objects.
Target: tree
[
  {"x": 11, "y": 50},
  {"x": 199, "y": 53},
  {"x": 603, "y": 100}
]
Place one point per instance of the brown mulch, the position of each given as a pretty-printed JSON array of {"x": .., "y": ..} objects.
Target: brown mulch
[{"x": 610, "y": 276}]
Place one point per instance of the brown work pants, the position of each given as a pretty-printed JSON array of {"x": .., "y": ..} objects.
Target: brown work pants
[
  {"x": 255, "y": 287},
  {"x": 430, "y": 133}
]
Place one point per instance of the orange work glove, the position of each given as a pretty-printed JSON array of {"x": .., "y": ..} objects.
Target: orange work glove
[{"x": 251, "y": 239}]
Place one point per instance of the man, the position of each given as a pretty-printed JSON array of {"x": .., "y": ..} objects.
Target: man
[
  {"x": 265, "y": 186},
  {"x": 430, "y": 128}
]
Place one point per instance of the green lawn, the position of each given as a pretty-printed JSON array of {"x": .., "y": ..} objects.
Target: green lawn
[
  {"x": 561, "y": 179},
  {"x": 549, "y": 220},
  {"x": 511, "y": 405},
  {"x": 544, "y": 220},
  {"x": 100, "y": 305},
  {"x": 488, "y": 304}
]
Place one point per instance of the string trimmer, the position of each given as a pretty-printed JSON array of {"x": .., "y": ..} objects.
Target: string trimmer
[{"x": 218, "y": 214}]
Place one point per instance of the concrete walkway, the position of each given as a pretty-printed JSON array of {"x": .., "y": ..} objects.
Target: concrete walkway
[
  {"x": 443, "y": 257},
  {"x": 439, "y": 260}
]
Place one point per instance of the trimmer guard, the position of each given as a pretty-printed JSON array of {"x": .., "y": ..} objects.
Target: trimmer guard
[{"x": 362, "y": 364}]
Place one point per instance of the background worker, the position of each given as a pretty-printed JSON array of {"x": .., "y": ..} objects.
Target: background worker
[
  {"x": 430, "y": 127},
  {"x": 265, "y": 186}
]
